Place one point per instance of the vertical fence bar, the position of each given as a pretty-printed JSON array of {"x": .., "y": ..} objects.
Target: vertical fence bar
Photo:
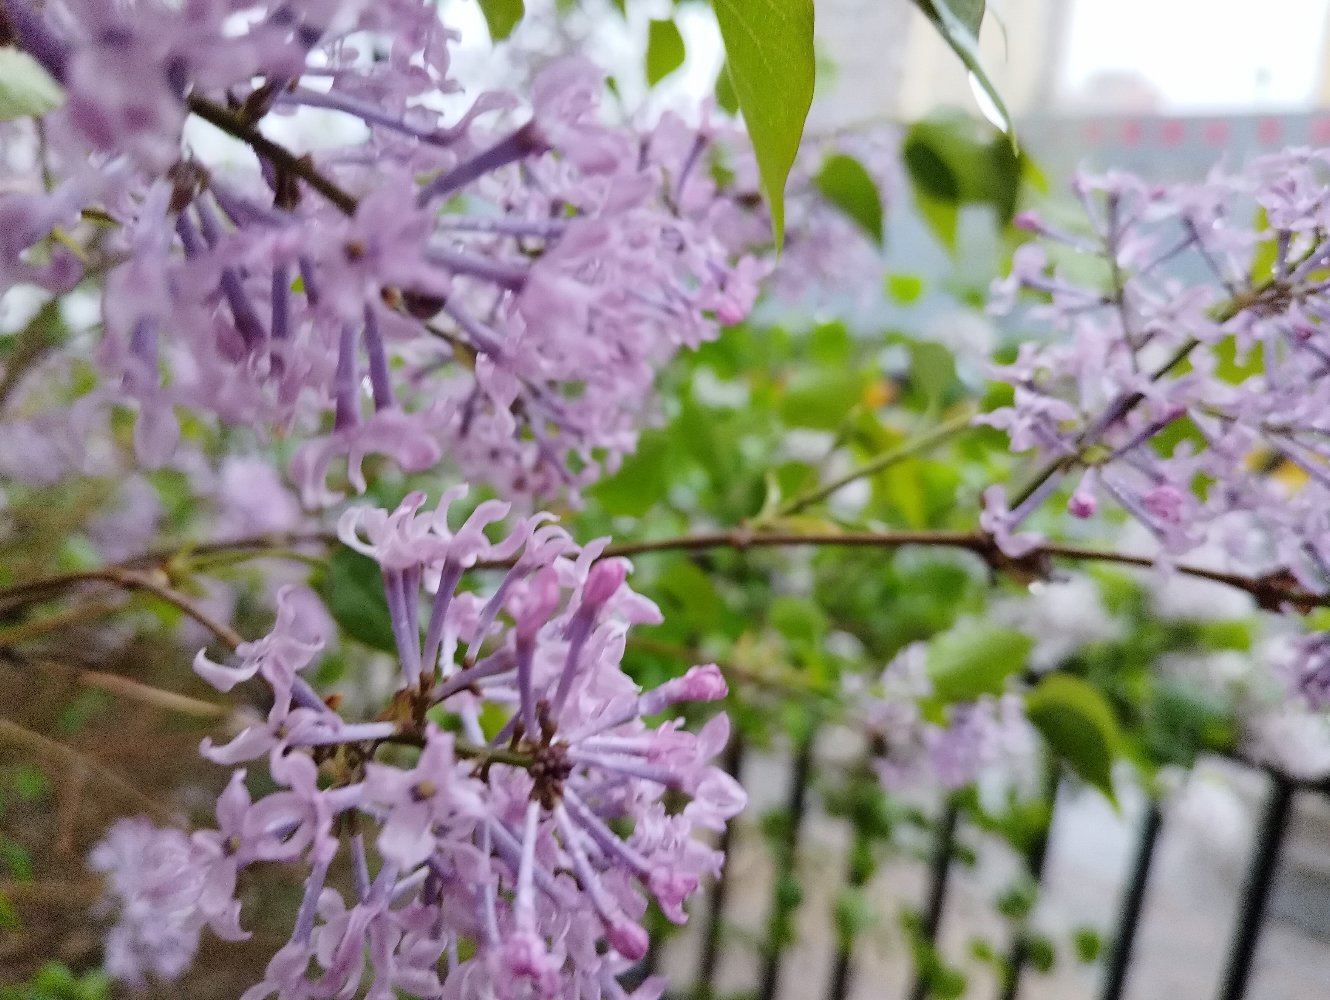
[
  {"x": 1119, "y": 956},
  {"x": 1260, "y": 875},
  {"x": 1034, "y": 859},
  {"x": 939, "y": 868},
  {"x": 787, "y": 854},
  {"x": 706, "y": 967},
  {"x": 856, "y": 877}
]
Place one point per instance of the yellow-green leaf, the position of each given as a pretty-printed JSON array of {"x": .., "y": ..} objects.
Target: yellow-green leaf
[
  {"x": 967, "y": 662},
  {"x": 665, "y": 50},
  {"x": 26, "y": 89},
  {"x": 1079, "y": 725},
  {"x": 501, "y": 16}
]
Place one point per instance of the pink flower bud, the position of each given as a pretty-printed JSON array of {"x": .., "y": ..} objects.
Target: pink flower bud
[
  {"x": 628, "y": 939},
  {"x": 603, "y": 580},
  {"x": 1082, "y": 502},
  {"x": 1027, "y": 221}
]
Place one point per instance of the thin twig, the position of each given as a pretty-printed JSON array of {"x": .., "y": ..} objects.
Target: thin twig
[
  {"x": 41, "y": 626},
  {"x": 138, "y": 691},
  {"x": 11, "y": 732},
  {"x": 884, "y": 461},
  {"x": 279, "y": 156}
]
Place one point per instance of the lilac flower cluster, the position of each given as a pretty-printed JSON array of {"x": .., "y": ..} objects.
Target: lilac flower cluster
[
  {"x": 910, "y": 751},
  {"x": 500, "y": 291},
  {"x": 1188, "y": 385},
  {"x": 509, "y": 866}
]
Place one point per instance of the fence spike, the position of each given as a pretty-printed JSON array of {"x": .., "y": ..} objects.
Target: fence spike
[
  {"x": 706, "y": 967},
  {"x": 939, "y": 868},
  {"x": 1119, "y": 956},
  {"x": 1256, "y": 891},
  {"x": 787, "y": 857},
  {"x": 1034, "y": 859}
]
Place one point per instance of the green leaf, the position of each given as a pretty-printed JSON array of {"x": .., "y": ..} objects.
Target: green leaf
[
  {"x": 797, "y": 619},
  {"x": 1088, "y": 943},
  {"x": 16, "y": 859},
  {"x": 973, "y": 660},
  {"x": 30, "y": 783},
  {"x": 501, "y": 17},
  {"x": 821, "y": 399},
  {"x": 726, "y": 99},
  {"x": 951, "y": 159},
  {"x": 769, "y": 50},
  {"x": 8, "y": 915},
  {"x": 957, "y": 21},
  {"x": 1079, "y": 726},
  {"x": 695, "y": 601},
  {"x": 352, "y": 587},
  {"x": 903, "y": 289},
  {"x": 932, "y": 369},
  {"x": 640, "y": 481},
  {"x": 665, "y": 50},
  {"x": 1039, "y": 950},
  {"x": 845, "y": 183},
  {"x": 26, "y": 89},
  {"x": 853, "y": 913}
]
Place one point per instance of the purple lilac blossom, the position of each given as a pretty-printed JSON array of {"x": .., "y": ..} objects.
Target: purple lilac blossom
[
  {"x": 909, "y": 751},
  {"x": 1194, "y": 370},
  {"x": 509, "y": 281},
  {"x": 537, "y": 846}
]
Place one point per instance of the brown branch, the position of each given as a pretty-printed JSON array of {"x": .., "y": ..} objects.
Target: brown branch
[
  {"x": 1272, "y": 591},
  {"x": 258, "y": 546},
  {"x": 154, "y": 582},
  {"x": 283, "y": 159}
]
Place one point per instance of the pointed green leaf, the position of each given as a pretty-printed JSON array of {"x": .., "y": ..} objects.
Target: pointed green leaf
[
  {"x": 973, "y": 660},
  {"x": 769, "y": 49},
  {"x": 501, "y": 17},
  {"x": 665, "y": 50},
  {"x": 845, "y": 183},
  {"x": 1079, "y": 725},
  {"x": 957, "y": 21},
  {"x": 25, "y": 88},
  {"x": 351, "y": 585}
]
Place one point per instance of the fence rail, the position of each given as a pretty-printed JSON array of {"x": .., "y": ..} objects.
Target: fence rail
[{"x": 1263, "y": 863}]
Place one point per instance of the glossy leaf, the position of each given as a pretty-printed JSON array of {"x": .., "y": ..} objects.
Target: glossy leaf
[
  {"x": 958, "y": 21},
  {"x": 769, "y": 51},
  {"x": 975, "y": 660},
  {"x": 351, "y": 586},
  {"x": 1079, "y": 725},
  {"x": 665, "y": 50},
  {"x": 845, "y": 183},
  {"x": 501, "y": 16},
  {"x": 26, "y": 89}
]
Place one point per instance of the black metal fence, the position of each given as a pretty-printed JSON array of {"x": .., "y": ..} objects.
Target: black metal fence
[{"x": 1262, "y": 865}]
